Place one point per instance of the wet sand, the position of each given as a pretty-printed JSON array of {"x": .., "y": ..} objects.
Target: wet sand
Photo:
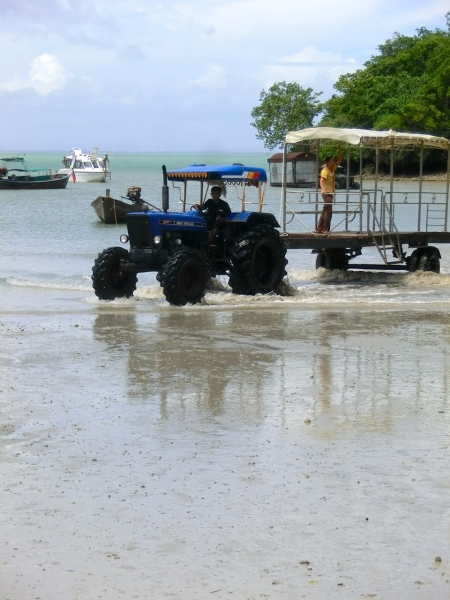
[{"x": 280, "y": 452}]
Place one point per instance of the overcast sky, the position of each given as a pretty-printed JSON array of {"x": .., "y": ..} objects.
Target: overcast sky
[{"x": 143, "y": 75}]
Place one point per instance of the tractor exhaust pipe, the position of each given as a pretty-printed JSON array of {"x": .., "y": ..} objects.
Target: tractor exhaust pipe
[{"x": 165, "y": 191}]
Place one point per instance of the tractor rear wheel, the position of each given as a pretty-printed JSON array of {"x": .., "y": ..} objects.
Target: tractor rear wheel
[
  {"x": 109, "y": 280},
  {"x": 258, "y": 261},
  {"x": 184, "y": 277}
]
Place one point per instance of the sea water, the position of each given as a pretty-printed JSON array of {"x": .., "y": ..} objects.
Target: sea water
[{"x": 49, "y": 240}]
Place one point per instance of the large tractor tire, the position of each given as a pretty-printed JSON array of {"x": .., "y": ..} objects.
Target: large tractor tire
[
  {"x": 109, "y": 280},
  {"x": 184, "y": 277},
  {"x": 258, "y": 261}
]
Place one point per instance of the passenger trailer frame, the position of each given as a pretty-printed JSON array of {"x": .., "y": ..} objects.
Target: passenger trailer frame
[{"x": 372, "y": 211}]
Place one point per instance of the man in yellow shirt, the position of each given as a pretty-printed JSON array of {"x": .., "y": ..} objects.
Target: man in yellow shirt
[{"x": 327, "y": 186}]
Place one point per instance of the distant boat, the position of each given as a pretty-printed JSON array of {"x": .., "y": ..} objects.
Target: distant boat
[
  {"x": 110, "y": 211},
  {"x": 21, "y": 178},
  {"x": 86, "y": 168}
]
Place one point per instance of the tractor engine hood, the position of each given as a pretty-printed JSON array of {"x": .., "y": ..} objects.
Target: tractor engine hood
[{"x": 161, "y": 221}]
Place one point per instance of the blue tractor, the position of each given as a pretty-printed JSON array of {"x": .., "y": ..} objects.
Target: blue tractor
[{"x": 178, "y": 245}]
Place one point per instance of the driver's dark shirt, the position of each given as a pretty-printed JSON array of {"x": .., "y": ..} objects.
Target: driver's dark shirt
[{"x": 216, "y": 209}]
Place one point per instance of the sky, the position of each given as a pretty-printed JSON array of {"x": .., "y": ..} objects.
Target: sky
[{"x": 176, "y": 76}]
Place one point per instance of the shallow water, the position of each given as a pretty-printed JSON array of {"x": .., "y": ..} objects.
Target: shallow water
[
  {"x": 267, "y": 447},
  {"x": 50, "y": 238}
]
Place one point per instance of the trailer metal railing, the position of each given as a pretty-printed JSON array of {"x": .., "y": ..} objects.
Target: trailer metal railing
[
  {"x": 349, "y": 204},
  {"x": 373, "y": 212},
  {"x": 435, "y": 204},
  {"x": 376, "y": 210}
]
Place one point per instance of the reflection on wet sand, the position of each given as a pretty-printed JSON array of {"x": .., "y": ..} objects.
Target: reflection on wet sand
[
  {"x": 354, "y": 367},
  {"x": 206, "y": 359},
  {"x": 225, "y": 449}
]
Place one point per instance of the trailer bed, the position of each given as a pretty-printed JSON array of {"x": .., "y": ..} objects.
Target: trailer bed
[{"x": 356, "y": 241}]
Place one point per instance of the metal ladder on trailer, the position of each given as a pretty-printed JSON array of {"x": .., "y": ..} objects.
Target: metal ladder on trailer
[{"x": 390, "y": 239}]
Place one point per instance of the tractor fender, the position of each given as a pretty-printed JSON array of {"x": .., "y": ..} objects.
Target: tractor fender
[{"x": 252, "y": 218}]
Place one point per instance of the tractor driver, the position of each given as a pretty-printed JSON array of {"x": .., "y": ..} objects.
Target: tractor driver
[{"x": 215, "y": 210}]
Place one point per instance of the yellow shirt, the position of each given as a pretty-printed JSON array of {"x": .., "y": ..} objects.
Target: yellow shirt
[{"x": 328, "y": 179}]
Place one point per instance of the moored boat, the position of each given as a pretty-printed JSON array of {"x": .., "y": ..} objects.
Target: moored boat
[
  {"x": 86, "y": 168},
  {"x": 21, "y": 178},
  {"x": 112, "y": 211}
]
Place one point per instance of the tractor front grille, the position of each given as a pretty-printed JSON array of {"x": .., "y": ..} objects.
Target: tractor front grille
[{"x": 139, "y": 231}]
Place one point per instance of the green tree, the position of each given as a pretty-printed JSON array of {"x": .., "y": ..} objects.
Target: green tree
[
  {"x": 284, "y": 107},
  {"x": 405, "y": 87}
]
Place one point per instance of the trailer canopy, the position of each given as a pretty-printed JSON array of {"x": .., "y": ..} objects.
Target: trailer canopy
[{"x": 367, "y": 137}]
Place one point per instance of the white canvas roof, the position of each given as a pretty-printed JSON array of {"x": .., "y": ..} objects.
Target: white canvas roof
[{"x": 367, "y": 137}]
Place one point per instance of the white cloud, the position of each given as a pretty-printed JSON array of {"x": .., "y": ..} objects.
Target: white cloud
[
  {"x": 310, "y": 54},
  {"x": 14, "y": 84},
  {"x": 46, "y": 74},
  {"x": 310, "y": 67},
  {"x": 213, "y": 78},
  {"x": 128, "y": 51}
]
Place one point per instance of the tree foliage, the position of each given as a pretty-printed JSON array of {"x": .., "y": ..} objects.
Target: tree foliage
[
  {"x": 405, "y": 87},
  {"x": 284, "y": 107}
]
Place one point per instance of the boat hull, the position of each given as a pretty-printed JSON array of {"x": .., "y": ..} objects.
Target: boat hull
[
  {"x": 87, "y": 175},
  {"x": 55, "y": 182},
  {"x": 111, "y": 211}
]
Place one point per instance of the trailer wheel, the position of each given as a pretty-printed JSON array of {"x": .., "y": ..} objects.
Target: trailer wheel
[
  {"x": 336, "y": 260},
  {"x": 258, "y": 261},
  {"x": 412, "y": 261},
  {"x": 429, "y": 260},
  {"x": 320, "y": 260},
  {"x": 109, "y": 280},
  {"x": 184, "y": 277}
]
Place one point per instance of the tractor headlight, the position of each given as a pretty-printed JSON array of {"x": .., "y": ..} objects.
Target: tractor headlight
[
  {"x": 124, "y": 238},
  {"x": 157, "y": 240}
]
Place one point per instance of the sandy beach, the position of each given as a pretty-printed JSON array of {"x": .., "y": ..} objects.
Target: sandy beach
[{"x": 259, "y": 452}]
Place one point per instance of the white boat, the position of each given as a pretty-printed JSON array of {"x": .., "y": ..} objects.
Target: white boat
[{"x": 86, "y": 168}]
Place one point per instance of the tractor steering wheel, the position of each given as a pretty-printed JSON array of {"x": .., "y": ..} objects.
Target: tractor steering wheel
[{"x": 198, "y": 210}]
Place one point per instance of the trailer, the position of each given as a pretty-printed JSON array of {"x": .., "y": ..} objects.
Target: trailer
[{"x": 401, "y": 225}]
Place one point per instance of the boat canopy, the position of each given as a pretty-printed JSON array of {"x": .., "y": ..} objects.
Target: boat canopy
[
  {"x": 236, "y": 173},
  {"x": 367, "y": 137},
  {"x": 40, "y": 169},
  {"x": 13, "y": 159}
]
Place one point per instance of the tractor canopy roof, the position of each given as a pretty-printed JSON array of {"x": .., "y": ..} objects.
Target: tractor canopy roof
[{"x": 236, "y": 173}]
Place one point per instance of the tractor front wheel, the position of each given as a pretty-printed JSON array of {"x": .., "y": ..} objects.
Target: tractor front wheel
[
  {"x": 184, "y": 277},
  {"x": 109, "y": 280}
]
